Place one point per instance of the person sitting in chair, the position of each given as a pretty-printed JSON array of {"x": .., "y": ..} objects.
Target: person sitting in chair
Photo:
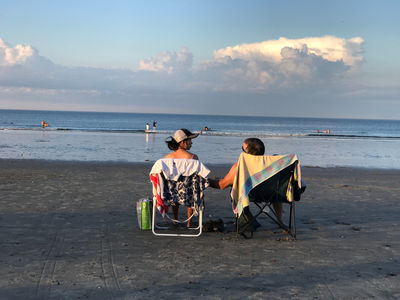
[
  {"x": 180, "y": 143},
  {"x": 253, "y": 146}
]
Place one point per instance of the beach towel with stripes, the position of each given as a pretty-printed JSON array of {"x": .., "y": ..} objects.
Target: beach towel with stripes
[{"x": 255, "y": 169}]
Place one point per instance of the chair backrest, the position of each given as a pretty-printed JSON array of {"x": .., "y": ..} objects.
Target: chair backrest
[
  {"x": 254, "y": 170},
  {"x": 172, "y": 168},
  {"x": 179, "y": 181},
  {"x": 185, "y": 190},
  {"x": 273, "y": 189}
]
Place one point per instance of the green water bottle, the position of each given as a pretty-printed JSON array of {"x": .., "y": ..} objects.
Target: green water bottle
[{"x": 146, "y": 214}]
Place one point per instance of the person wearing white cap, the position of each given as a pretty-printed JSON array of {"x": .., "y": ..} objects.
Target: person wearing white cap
[{"x": 180, "y": 143}]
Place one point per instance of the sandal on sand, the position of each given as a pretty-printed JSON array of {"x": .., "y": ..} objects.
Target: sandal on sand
[{"x": 214, "y": 225}]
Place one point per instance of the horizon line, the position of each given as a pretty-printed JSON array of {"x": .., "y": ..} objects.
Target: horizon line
[{"x": 199, "y": 114}]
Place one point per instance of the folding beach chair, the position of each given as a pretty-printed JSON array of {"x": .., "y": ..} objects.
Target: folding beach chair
[
  {"x": 178, "y": 182},
  {"x": 264, "y": 180}
]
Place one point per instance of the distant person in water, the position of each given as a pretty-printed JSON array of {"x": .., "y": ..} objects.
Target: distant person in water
[
  {"x": 147, "y": 127},
  {"x": 154, "y": 125},
  {"x": 180, "y": 145},
  {"x": 44, "y": 124}
]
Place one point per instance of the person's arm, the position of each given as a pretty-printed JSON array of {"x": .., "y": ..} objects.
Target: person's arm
[{"x": 226, "y": 181}]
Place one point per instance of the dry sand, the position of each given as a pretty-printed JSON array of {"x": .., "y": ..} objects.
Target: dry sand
[{"x": 68, "y": 230}]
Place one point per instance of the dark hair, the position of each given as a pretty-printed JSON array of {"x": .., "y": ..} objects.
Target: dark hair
[
  {"x": 172, "y": 144},
  {"x": 254, "y": 146}
]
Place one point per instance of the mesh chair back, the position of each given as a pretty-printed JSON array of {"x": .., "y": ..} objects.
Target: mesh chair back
[{"x": 274, "y": 189}]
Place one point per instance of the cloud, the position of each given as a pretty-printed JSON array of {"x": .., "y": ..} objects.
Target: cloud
[
  {"x": 22, "y": 67},
  {"x": 18, "y": 55},
  {"x": 168, "y": 62},
  {"x": 266, "y": 66},
  {"x": 296, "y": 67},
  {"x": 273, "y": 64},
  {"x": 304, "y": 75},
  {"x": 330, "y": 48},
  {"x": 287, "y": 63}
]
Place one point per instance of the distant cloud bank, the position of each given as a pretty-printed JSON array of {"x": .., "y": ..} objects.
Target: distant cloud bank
[
  {"x": 276, "y": 63},
  {"x": 296, "y": 72}
]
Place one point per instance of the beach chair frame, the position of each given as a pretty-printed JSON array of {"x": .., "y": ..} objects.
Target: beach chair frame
[
  {"x": 196, "y": 231},
  {"x": 197, "y": 213},
  {"x": 272, "y": 190}
]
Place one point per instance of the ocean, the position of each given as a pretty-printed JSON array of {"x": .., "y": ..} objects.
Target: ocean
[{"x": 95, "y": 136}]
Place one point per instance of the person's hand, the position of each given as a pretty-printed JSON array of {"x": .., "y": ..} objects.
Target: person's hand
[{"x": 213, "y": 182}]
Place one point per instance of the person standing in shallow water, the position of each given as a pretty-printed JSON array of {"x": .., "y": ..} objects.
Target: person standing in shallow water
[
  {"x": 154, "y": 125},
  {"x": 180, "y": 145}
]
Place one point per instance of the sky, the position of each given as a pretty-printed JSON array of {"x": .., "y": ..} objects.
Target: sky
[{"x": 329, "y": 59}]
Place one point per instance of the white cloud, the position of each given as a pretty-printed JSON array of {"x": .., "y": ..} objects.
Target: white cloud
[
  {"x": 168, "y": 62},
  {"x": 266, "y": 66},
  {"x": 295, "y": 67},
  {"x": 303, "y": 75},
  {"x": 329, "y": 48},
  {"x": 15, "y": 55},
  {"x": 274, "y": 64}
]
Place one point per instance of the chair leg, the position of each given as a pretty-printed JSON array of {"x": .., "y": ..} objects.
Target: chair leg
[
  {"x": 291, "y": 229},
  {"x": 292, "y": 224},
  {"x": 294, "y": 220},
  {"x": 274, "y": 218},
  {"x": 154, "y": 225}
]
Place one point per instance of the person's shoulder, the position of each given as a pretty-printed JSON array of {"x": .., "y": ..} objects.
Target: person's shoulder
[{"x": 190, "y": 155}]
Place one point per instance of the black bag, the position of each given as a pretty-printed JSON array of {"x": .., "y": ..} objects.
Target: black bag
[
  {"x": 246, "y": 218},
  {"x": 297, "y": 191}
]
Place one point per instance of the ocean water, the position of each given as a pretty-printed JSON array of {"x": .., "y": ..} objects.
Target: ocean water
[{"x": 121, "y": 137}]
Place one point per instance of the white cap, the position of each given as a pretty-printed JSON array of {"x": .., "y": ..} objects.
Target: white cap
[{"x": 180, "y": 135}]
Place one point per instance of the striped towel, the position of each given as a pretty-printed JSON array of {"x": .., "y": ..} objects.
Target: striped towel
[
  {"x": 157, "y": 192},
  {"x": 255, "y": 169}
]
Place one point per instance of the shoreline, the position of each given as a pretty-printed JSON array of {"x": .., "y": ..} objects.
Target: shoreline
[
  {"x": 69, "y": 230},
  {"x": 148, "y": 163},
  {"x": 97, "y": 147}
]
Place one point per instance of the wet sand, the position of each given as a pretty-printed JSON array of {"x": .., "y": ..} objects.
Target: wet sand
[{"x": 69, "y": 230}]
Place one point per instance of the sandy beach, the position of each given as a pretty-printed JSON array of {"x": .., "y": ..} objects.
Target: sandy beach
[{"x": 69, "y": 230}]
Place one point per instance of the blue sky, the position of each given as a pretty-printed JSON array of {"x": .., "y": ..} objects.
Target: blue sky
[{"x": 281, "y": 58}]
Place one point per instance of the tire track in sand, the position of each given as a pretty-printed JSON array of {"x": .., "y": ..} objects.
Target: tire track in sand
[
  {"x": 46, "y": 279},
  {"x": 108, "y": 269}
]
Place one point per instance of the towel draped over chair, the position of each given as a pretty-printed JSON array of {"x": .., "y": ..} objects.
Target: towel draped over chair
[
  {"x": 178, "y": 182},
  {"x": 255, "y": 169}
]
